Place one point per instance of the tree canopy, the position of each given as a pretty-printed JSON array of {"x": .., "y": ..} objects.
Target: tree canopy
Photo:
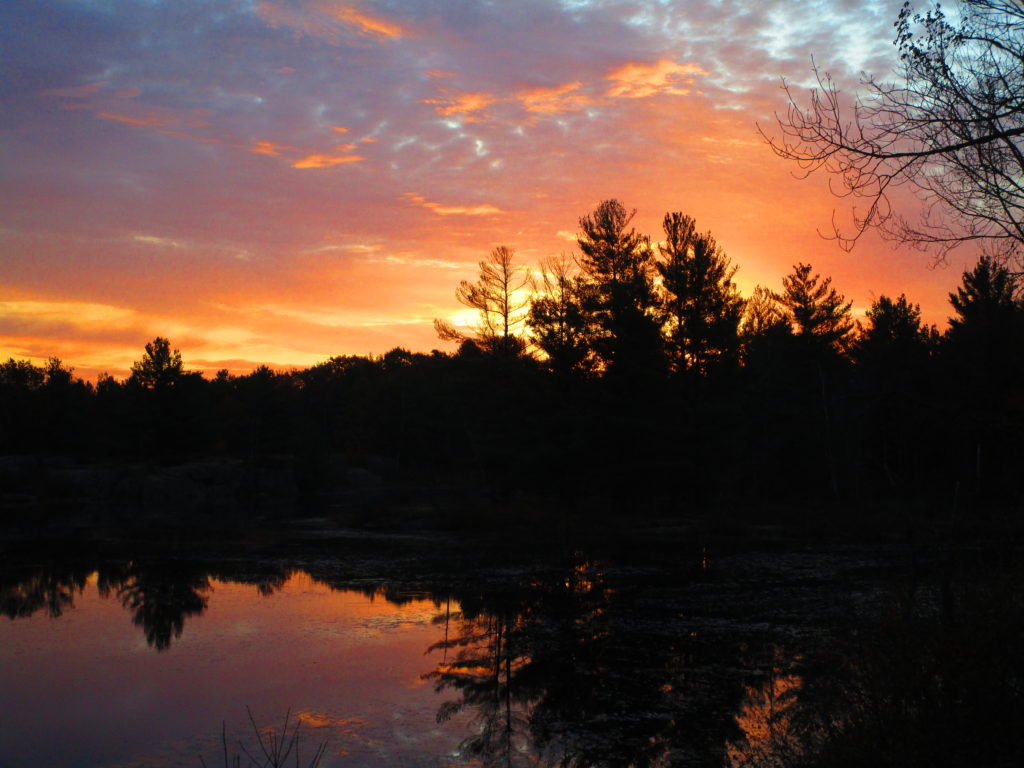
[
  {"x": 498, "y": 296},
  {"x": 702, "y": 304},
  {"x": 619, "y": 263},
  {"x": 159, "y": 368},
  {"x": 817, "y": 313}
]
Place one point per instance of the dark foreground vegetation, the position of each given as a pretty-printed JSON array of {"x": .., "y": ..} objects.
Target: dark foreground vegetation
[{"x": 632, "y": 376}]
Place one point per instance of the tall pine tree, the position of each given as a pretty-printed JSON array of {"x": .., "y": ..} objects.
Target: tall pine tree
[
  {"x": 619, "y": 263},
  {"x": 702, "y": 305}
]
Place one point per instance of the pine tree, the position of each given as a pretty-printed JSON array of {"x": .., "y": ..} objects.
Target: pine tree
[
  {"x": 702, "y": 305},
  {"x": 498, "y": 295},
  {"x": 559, "y": 324},
  {"x": 819, "y": 316},
  {"x": 618, "y": 263}
]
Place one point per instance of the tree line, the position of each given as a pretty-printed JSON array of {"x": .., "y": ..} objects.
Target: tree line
[{"x": 633, "y": 372}]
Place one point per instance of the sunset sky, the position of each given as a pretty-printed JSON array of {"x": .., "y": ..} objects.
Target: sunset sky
[{"x": 282, "y": 181}]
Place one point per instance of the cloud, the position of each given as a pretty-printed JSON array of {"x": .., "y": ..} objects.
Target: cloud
[
  {"x": 638, "y": 81},
  {"x": 469, "y": 105},
  {"x": 331, "y": 317},
  {"x": 150, "y": 120},
  {"x": 82, "y": 314},
  {"x": 551, "y": 101},
  {"x": 452, "y": 210},
  {"x": 408, "y": 261},
  {"x": 329, "y": 160},
  {"x": 364, "y": 23},
  {"x": 75, "y": 92},
  {"x": 153, "y": 240},
  {"x": 266, "y": 148},
  {"x": 328, "y": 21}
]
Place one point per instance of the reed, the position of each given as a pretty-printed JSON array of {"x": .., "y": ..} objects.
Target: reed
[{"x": 274, "y": 748}]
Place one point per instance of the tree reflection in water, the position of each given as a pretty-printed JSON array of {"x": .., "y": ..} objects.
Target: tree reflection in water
[
  {"x": 159, "y": 594},
  {"x": 570, "y": 671},
  {"x": 580, "y": 665},
  {"x": 768, "y": 738},
  {"x": 42, "y": 589},
  {"x": 161, "y": 597}
]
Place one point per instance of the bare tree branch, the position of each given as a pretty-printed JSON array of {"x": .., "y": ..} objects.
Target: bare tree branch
[{"x": 949, "y": 127}]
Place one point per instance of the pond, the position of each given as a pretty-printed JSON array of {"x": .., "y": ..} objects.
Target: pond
[{"x": 415, "y": 652}]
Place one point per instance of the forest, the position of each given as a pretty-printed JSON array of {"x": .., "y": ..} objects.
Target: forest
[{"x": 632, "y": 374}]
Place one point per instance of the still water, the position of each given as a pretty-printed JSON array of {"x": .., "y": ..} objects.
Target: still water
[
  {"x": 88, "y": 688},
  {"x": 411, "y": 656}
]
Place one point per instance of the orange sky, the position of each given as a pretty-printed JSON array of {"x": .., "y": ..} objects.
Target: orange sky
[{"x": 282, "y": 181}]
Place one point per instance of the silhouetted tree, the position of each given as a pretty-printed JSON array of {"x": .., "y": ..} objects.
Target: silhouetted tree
[
  {"x": 986, "y": 304},
  {"x": 159, "y": 368},
  {"x": 894, "y": 333},
  {"x": 498, "y": 297},
  {"x": 983, "y": 352},
  {"x": 819, "y": 316},
  {"x": 21, "y": 374},
  {"x": 702, "y": 305},
  {"x": 560, "y": 325},
  {"x": 56, "y": 375},
  {"x": 618, "y": 262},
  {"x": 822, "y": 329},
  {"x": 762, "y": 317},
  {"x": 893, "y": 353}
]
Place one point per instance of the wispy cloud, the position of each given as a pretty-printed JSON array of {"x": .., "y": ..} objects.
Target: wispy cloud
[
  {"x": 452, "y": 210},
  {"x": 75, "y": 92},
  {"x": 328, "y": 21},
  {"x": 341, "y": 156},
  {"x": 362, "y": 22},
  {"x": 86, "y": 314},
  {"x": 551, "y": 101},
  {"x": 151, "y": 120},
  {"x": 160, "y": 241}
]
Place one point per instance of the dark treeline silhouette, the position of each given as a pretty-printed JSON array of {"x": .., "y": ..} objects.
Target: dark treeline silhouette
[{"x": 631, "y": 373}]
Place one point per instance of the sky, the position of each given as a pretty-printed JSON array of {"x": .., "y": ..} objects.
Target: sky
[{"x": 280, "y": 181}]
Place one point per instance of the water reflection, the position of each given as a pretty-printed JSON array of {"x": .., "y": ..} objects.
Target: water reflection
[
  {"x": 160, "y": 597},
  {"x": 575, "y": 663},
  {"x": 564, "y": 665},
  {"x": 765, "y": 720},
  {"x": 41, "y": 590},
  {"x": 571, "y": 671}
]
